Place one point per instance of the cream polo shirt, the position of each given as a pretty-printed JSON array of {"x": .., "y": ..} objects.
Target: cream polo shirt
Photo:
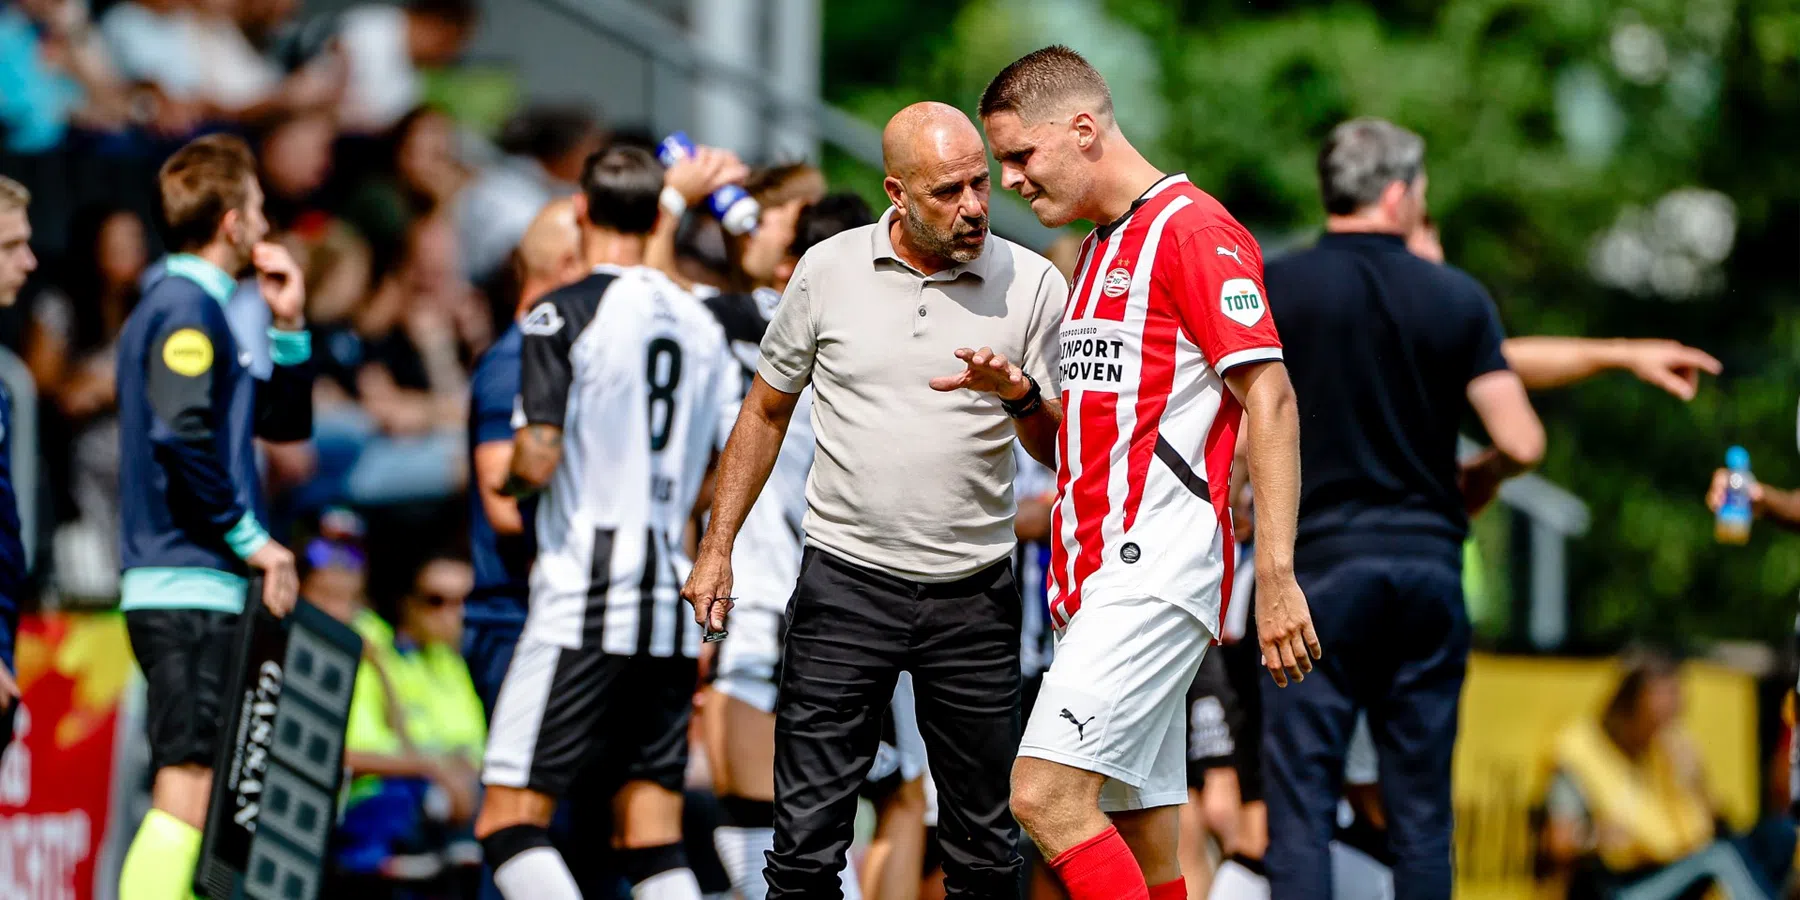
[{"x": 907, "y": 480}]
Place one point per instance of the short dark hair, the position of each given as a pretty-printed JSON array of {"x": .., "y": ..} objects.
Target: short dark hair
[
  {"x": 1361, "y": 158},
  {"x": 548, "y": 133},
  {"x": 1041, "y": 79},
  {"x": 834, "y": 214},
  {"x": 461, "y": 13},
  {"x": 784, "y": 182},
  {"x": 622, "y": 185},
  {"x": 199, "y": 184}
]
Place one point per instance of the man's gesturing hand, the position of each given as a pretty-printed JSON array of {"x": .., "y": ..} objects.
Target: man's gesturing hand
[
  {"x": 987, "y": 372},
  {"x": 283, "y": 286},
  {"x": 708, "y": 588},
  {"x": 281, "y": 584},
  {"x": 1670, "y": 365},
  {"x": 1284, "y": 628}
]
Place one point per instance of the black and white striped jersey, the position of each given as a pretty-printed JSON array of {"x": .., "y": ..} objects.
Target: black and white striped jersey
[
  {"x": 635, "y": 372},
  {"x": 765, "y": 562}
]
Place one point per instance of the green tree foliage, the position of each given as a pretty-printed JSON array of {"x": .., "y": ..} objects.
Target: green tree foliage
[{"x": 1605, "y": 167}]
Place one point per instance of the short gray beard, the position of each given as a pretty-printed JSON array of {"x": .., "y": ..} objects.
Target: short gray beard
[{"x": 938, "y": 243}]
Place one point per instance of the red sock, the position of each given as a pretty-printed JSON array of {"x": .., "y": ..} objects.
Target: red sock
[
  {"x": 1101, "y": 868},
  {"x": 1169, "y": 890}
]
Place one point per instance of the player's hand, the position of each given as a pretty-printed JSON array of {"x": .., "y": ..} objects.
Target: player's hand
[
  {"x": 281, "y": 584},
  {"x": 1284, "y": 627},
  {"x": 708, "y": 588},
  {"x": 9, "y": 688},
  {"x": 1479, "y": 480},
  {"x": 707, "y": 170},
  {"x": 283, "y": 286},
  {"x": 1715, "y": 495},
  {"x": 1670, "y": 365},
  {"x": 987, "y": 372}
]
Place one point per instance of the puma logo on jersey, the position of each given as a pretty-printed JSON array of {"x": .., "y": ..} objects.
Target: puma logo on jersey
[
  {"x": 1241, "y": 301},
  {"x": 1233, "y": 253},
  {"x": 543, "y": 320},
  {"x": 1080, "y": 726}
]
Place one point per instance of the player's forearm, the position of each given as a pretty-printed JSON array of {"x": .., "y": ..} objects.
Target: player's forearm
[
  {"x": 1037, "y": 432},
  {"x": 537, "y": 450},
  {"x": 1781, "y": 507},
  {"x": 1551, "y": 362},
  {"x": 1273, "y": 449},
  {"x": 493, "y": 465},
  {"x": 744, "y": 468}
]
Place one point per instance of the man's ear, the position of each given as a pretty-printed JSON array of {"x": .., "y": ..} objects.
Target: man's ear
[
  {"x": 1086, "y": 130},
  {"x": 578, "y": 202},
  {"x": 896, "y": 192},
  {"x": 1393, "y": 196},
  {"x": 229, "y": 225}
]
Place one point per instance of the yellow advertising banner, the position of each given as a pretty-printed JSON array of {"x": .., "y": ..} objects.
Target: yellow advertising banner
[{"x": 1513, "y": 707}]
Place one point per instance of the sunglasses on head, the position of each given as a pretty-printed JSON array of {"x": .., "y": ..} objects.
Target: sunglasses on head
[{"x": 328, "y": 554}]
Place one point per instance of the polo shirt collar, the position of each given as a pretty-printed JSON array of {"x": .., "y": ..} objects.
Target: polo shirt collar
[
  {"x": 1106, "y": 231},
  {"x": 216, "y": 282},
  {"x": 883, "y": 248}
]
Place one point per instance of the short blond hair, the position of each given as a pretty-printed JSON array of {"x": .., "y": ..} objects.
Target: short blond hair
[{"x": 13, "y": 195}]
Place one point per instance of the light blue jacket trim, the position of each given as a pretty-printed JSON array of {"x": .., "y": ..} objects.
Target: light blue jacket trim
[
  {"x": 247, "y": 536},
  {"x": 216, "y": 282},
  {"x": 289, "y": 348},
  {"x": 182, "y": 587}
]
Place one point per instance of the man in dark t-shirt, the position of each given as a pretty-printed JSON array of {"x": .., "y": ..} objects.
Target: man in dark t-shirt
[{"x": 1388, "y": 354}]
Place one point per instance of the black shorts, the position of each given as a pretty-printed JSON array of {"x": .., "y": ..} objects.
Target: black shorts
[
  {"x": 562, "y": 709},
  {"x": 186, "y": 656},
  {"x": 1242, "y": 665},
  {"x": 1215, "y": 722}
]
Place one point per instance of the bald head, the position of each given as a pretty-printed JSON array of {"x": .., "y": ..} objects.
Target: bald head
[
  {"x": 937, "y": 179},
  {"x": 549, "y": 254},
  {"x": 926, "y": 133}
]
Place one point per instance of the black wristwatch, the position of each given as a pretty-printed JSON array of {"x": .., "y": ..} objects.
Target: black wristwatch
[{"x": 1026, "y": 405}]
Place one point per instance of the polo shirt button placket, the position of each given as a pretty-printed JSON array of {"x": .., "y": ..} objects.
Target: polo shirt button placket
[{"x": 918, "y": 321}]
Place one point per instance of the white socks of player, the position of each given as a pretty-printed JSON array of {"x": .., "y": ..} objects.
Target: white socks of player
[
  {"x": 537, "y": 874},
  {"x": 1235, "y": 881},
  {"x": 674, "y": 884},
  {"x": 741, "y": 851}
]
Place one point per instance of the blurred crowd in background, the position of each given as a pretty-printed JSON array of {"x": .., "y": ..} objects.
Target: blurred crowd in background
[{"x": 405, "y": 222}]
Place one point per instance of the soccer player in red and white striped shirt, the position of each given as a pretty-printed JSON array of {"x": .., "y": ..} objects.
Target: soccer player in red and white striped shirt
[{"x": 1167, "y": 343}]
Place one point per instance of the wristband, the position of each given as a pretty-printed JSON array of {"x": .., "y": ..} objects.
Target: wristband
[
  {"x": 1026, "y": 405},
  {"x": 672, "y": 202}
]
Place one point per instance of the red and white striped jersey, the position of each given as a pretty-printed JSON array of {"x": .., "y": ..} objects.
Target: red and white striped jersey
[{"x": 1165, "y": 300}]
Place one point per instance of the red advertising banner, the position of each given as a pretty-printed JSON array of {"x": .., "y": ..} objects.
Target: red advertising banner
[{"x": 56, "y": 778}]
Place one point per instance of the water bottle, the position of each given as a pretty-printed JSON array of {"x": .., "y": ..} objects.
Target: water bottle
[
  {"x": 733, "y": 206},
  {"x": 1732, "y": 526}
]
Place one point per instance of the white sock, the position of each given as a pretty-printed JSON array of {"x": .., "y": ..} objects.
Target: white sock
[
  {"x": 741, "y": 851},
  {"x": 852, "y": 887},
  {"x": 536, "y": 874},
  {"x": 674, "y": 884},
  {"x": 1234, "y": 882}
]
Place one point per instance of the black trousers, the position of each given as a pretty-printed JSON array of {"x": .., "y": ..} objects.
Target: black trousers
[
  {"x": 1397, "y": 637},
  {"x": 849, "y": 632}
]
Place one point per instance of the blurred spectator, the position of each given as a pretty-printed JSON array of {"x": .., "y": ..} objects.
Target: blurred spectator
[
  {"x": 387, "y": 46},
  {"x": 53, "y": 73},
  {"x": 295, "y": 156},
  {"x": 419, "y": 176},
  {"x": 390, "y": 423},
  {"x": 545, "y": 148},
  {"x": 70, "y": 349},
  {"x": 1628, "y": 814},
  {"x": 197, "y": 58},
  {"x": 416, "y": 730}
]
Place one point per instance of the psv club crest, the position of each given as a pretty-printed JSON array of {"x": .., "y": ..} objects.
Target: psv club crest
[{"x": 1118, "y": 281}]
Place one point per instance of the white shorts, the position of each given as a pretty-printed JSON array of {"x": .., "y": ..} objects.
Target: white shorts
[
  {"x": 750, "y": 656},
  {"x": 1114, "y": 701}
]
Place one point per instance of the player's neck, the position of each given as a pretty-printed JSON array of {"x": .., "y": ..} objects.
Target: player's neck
[
  {"x": 223, "y": 255},
  {"x": 529, "y": 295},
  {"x": 1122, "y": 182},
  {"x": 1371, "y": 221},
  {"x": 611, "y": 248}
]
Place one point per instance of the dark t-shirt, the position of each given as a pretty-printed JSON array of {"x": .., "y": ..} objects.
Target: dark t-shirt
[{"x": 1381, "y": 346}]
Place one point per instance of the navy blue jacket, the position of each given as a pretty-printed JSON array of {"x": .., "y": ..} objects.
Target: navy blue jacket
[
  {"x": 12, "y": 545},
  {"x": 502, "y": 563},
  {"x": 189, "y": 410}
]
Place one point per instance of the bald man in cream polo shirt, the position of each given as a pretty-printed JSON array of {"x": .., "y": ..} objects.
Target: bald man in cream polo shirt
[{"x": 931, "y": 347}]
